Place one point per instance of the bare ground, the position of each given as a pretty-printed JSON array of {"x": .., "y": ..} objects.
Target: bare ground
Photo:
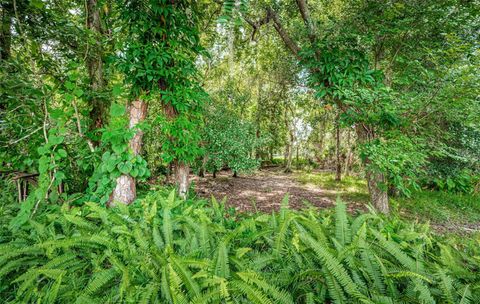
[{"x": 264, "y": 191}]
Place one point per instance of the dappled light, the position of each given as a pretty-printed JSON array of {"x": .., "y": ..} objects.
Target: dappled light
[{"x": 234, "y": 151}]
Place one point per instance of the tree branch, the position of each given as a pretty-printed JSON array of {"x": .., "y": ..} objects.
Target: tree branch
[
  {"x": 289, "y": 43},
  {"x": 305, "y": 12}
]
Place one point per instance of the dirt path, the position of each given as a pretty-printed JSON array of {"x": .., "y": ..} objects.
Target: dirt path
[{"x": 263, "y": 191}]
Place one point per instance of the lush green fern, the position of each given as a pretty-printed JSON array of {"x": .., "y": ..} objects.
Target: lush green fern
[{"x": 165, "y": 250}]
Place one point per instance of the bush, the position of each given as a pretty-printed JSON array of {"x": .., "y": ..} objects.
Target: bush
[{"x": 164, "y": 250}]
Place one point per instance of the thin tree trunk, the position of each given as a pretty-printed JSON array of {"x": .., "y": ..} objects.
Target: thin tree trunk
[
  {"x": 289, "y": 151},
  {"x": 349, "y": 154},
  {"x": 125, "y": 190},
  {"x": 297, "y": 157},
  {"x": 320, "y": 143},
  {"x": 375, "y": 180},
  {"x": 99, "y": 104},
  {"x": 338, "y": 175}
]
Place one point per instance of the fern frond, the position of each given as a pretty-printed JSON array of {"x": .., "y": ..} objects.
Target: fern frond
[
  {"x": 100, "y": 279},
  {"x": 342, "y": 227}
]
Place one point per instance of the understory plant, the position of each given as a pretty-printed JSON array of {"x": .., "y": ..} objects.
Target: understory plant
[{"x": 165, "y": 250}]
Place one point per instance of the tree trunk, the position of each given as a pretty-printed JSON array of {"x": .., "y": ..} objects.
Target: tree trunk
[
  {"x": 338, "y": 174},
  {"x": 348, "y": 158},
  {"x": 99, "y": 104},
  {"x": 5, "y": 30},
  {"x": 182, "y": 169},
  {"x": 377, "y": 195},
  {"x": 125, "y": 190},
  {"x": 297, "y": 157},
  {"x": 320, "y": 142},
  {"x": 182, "y": 172},
  {"x": 375, "y": 180},
  {"x": 201, "y": 172},
  {"x": 289, "y": 152}
]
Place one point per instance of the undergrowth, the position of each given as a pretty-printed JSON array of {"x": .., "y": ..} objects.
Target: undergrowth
[
  {"x": 164, "y": 250},
  {"x": 442, "y": 206}
]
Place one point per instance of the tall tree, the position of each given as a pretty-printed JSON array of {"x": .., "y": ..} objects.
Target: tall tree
[
  {"x": 95, "y": 65},
  {"x": 6, "y": 15},
  {"x": 160, "y": 47}
]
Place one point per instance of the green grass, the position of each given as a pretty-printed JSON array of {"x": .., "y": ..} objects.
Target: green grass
[
  {"x": 437, "y": 207},
  {"x": 440, "y": 207},
  {"x": 350, "y": 188}
]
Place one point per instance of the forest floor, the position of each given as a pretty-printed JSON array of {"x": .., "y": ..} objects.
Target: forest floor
[{"x": 265, "y": 189}]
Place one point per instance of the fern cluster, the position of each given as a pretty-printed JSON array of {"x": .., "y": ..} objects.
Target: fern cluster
[{"x": 169, "y": 251}]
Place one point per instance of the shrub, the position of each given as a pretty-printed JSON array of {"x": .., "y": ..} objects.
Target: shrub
[{"x": 164, "y": 250}]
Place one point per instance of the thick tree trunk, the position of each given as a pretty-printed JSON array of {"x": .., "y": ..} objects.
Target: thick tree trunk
[
  {"x": 182, "y": 172},
  {"x": 125, "y": 189},
  {"x": 378, "y": 196},
  {"x": 338, "y": 173},
  {"x": 5, "y": 30},
  {"x": 375, "y": 180},
  {"x": 182, "y": 169},
  {"x": 201, "y": 172},
  {"x": 99, "y": 104}
]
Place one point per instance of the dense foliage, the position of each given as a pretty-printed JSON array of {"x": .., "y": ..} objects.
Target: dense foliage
[
  {"x": 98, "y": 97},
  {"x": 168, "y": 250},
  {"x": 230, "y": 142}
]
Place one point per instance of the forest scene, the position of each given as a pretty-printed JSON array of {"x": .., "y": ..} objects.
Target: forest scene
[{"x": 235, "y": 151}]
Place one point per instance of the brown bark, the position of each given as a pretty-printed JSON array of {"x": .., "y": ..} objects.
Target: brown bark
[
  {"x": 305, "y": 12},
  {"x": 375, "y": 180},
  {"x": 289, "y": 43},
  {"x": 182, "y": 169},
  {"x": 201, "y": 172},
  {"x": 5, "y": 30},
  {"x": 125, "y": 189},
  {"x": 99, "y": 104}
]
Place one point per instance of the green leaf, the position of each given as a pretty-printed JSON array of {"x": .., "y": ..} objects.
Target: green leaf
[
  {"x": 117, "y": 110},
  {"x": 78, "y": 92},
  {"x": 125, "y": 167},
  {"x": 70, "y": 86},
  {"x": 117, "y": 90},
  {"x": 62, "y": 153}
]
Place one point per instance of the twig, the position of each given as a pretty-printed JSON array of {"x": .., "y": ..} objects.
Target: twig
[
  {"x": 26, "y": 136},
  {"x": 79, "y": 127}
]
